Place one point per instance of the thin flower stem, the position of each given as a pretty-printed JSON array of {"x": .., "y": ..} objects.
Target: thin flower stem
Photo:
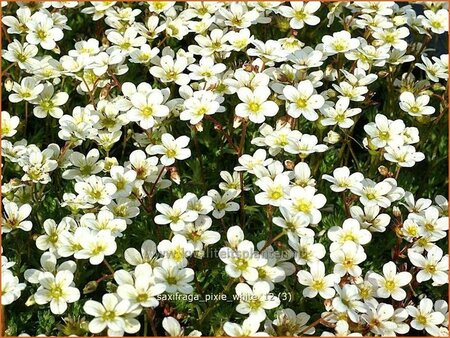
[
  {"x": 151, "y": 318},
  {"x": 108, "y": 266},
  {"x": 271, "y": 241},
  {"x": 220, "y": 128},
  {"x": 314, "y": 324},
  {"x": 210, "y": 308},
  {"x": 397, "y": 172},
  {"x": 7, "y": 68}
]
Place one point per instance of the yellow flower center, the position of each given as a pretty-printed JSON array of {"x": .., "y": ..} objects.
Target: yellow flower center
[
  {"x": 390, "y": 285},
  {"x": 241, "y": 264},
  {"x": 318, "y": 285},
  {"x": 108, "y": 315},
  {"x": 254, "y": 107},
  {"x": 303, "y": 205},
  {"x": 301, "y": 102},
  {"x": 147, "y": 111},
  {"x": 171, "y": 152}
]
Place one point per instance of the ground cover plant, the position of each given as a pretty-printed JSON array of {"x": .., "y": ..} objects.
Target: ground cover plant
[{"x": 224, "y": 168}]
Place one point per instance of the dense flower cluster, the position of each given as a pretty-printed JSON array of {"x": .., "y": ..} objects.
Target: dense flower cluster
[{"x": 278, "y": 161}]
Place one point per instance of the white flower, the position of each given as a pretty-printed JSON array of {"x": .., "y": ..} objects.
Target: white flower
[
  {"x": 372, "y": 193},
  {"x": 124, "y": 179},
  {"x": 237, "y": 15},
  {"x": 146, "y": 107},
  {"x": 303, "y": 101},
  {"x": 415, "y": 106},
  {"x": 294, "y": 224},
  {"x": 404, "y": 156},
  {"x": 127, "y": 42},
  {"x": 170, "y": 70},
  {"x": 9, "y": 124},
  {"x": 347, "y": 258},
  {"x": 249, "y": 162},
  {"x": 223, "y": 203},
  {"x": 384, "y": 131},
  {"x": 114, "y": 313},
  {"x": 57, "y": 290},
  {"x": 243, "y": 261},
  {"x": 305, "y": 201},
  {"x": 147, "y": 254},
  {"x": 174, "y": 277},
  {"x": 174, "y": 329},
  {"x": 425, "y": 318},
  {"x": 52, "y": 237},
  {"x": 340, "y": 114},
  {"x": 141, "y": 289},
  {"x": 436, "y": 21},
  {"x": 15, "y": 217},
  {"x": 176, "y": 250},
  {"x": 274, "y": 192},
  {"x": 96, "y": 246},
  {"x": 348, "y": 301},
  {"x": 431, "y": 224},
  {"x": 392, "y": 37},
  {"x": 254, "y": 301},
  {"x": 48, "y": 263},
  {"x": 104, "y": 220},
  {"x": 317, "y": 282},
  {"x": 202, "y": 102},
  {"x": 249, "y": 328},
  {"x": 198, "y": 234},
  {"x": 96, "y": 190},
  {"x": 434, "y": 266},
  {"x": 341, "y": 330},
  {"x": 42, "y": 31},
  {"x": 255, "y": 105},
  {"x": 379, "y": 318},
  {"x": 176, "y": 216},
  {"x": 390, "y": 285},
  {"x": 340, "y": 42},
  {"x": 434, "y": 71},
  {"x": 306, "y": 251},
  {"x": 304, "y": 145},
  {"x": 172, "y": 149},
  {"x": 48, "y": 103},
  {"x": 343, "y": 180},
  {"x": 349, "y": 232},
  {"x": 206, "y": 69},
  {"x": 22, "y": 54},
  {"x": 87, "y": 165},
  {"x": 11, "y": 288},
  {"x": 301, "y": 13},
  {"x": 28, "y": 90}
]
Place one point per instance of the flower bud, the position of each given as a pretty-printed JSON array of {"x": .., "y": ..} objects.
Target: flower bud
[
  {"x": 396, "y": 212},
  {"x": 174, "y": 175},
  {"x": 8, "y": 84},
  {"x": 90, "y": 287},
  {"x": 332, "y": 137},
  {"x": 438, "y": 87},
  {"x": 289, "y": 165},
  {"x": 30, "y": 301},
  {"x": 199, "y": 127},
  {"x": 110, "y": 162},
  {"x": 383, "y": 170}
]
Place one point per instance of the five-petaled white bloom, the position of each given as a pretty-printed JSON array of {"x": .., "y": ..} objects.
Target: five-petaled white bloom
[
  {"x": 172, "y": 149},
  {"x": 391, "y": 283},
  {"x": 415, "y": 106},
  {"x": 255, "y": 105},
  {"x": 303, "y": 101},
  {"x": 58, "y": 290},
  {"x": 254, "y": 301}
]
